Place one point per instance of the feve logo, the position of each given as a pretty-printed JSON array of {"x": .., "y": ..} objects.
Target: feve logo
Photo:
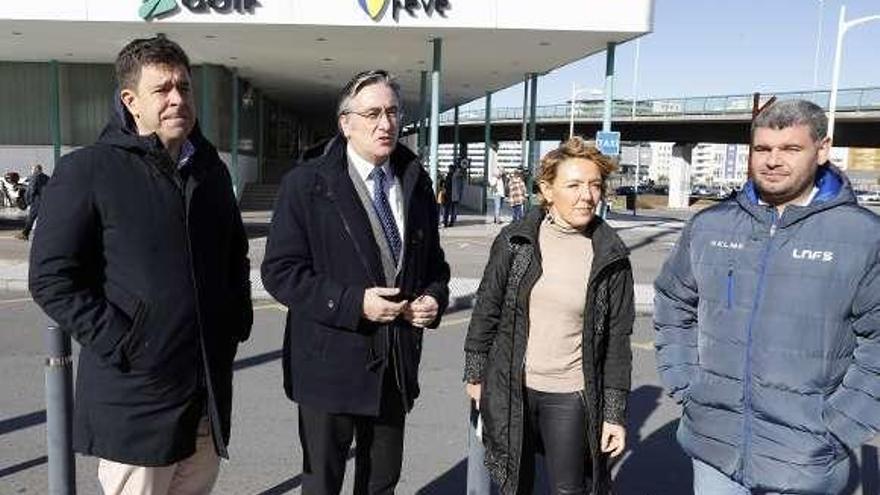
[{"x": 374, "y": 8}]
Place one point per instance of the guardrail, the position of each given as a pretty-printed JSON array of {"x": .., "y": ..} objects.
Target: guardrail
[{"x": 848, "y": 100}]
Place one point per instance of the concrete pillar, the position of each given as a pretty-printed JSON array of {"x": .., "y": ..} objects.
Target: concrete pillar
[
  {"x": 55, "y": 111},
  {"x": 487, "y": 141},
  {"x": 233, "y": 136},
  {"x": 524, "y": 140},
  {"x": 422, "y": 113},
  {"x": 533, "y": 143},
  {"x": 435, "y": 108},
  {"x": 609, "y": 87},
  {"x": 261, "y": 136},
  {"x": 680, "y": 175},
  {"x": 456, "y": 135}
]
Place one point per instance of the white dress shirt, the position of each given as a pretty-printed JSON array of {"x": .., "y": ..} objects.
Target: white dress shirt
[{"x": 393, "y": 190}]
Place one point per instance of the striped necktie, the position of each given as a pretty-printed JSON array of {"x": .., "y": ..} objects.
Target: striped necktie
[{"x": 383, "y": 211}]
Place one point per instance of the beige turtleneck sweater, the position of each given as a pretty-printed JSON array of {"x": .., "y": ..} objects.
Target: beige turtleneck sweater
[{"x": 556, "y": 310}]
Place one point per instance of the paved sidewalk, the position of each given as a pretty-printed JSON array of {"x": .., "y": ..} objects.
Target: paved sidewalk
[{"x": 14, "y": 264}]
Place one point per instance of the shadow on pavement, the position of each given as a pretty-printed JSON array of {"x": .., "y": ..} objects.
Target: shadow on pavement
[
  {"x": 291, "y": 484},
  {"x": 256, "y": 229},
  {"x": 452, "y": 481},
  {"x": 656, "y": 464},
  {"x": 11, "y": 224},
  {"x": 464, "y": 222}
]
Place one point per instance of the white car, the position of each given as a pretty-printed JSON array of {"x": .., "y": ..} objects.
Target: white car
[{"x": 871, "y": 197}]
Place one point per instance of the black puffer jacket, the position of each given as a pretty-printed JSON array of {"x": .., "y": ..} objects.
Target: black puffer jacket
[{"x": 497, "y": 337}]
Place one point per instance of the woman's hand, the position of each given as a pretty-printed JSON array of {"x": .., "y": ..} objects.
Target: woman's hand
[
  {"x": 473, "y": 391},
  {"x": 613, "y": 439}
]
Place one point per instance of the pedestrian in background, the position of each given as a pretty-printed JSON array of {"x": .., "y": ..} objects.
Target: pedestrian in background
[
  {"x": 496, "y": 183},
  {"x": 454, "y": 190},
  {"x": 442, "y": 199},
  {"x": 516, "y": 194},
  {"x": 547, "y": 354},
  {"x": 33, "y": 195}
]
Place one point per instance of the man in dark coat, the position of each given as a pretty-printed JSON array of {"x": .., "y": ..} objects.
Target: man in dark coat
[
  {"x": 141, "y": 256},
  {"x": 34, "y": 193},
  {"x": 354, "y": 254}
]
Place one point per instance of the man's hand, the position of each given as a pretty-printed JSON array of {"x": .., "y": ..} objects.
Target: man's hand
[
  {"x": 421, "y": 312},
  {"x": 613, "y": 439},
  {"x": 379, "y": 309},
  {"x": 474, "y": 390}
]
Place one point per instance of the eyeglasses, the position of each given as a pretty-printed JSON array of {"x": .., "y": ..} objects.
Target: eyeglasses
[{"x": 374, "y": 114}]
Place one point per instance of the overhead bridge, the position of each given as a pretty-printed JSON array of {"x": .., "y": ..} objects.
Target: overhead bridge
[{"x": 709, "y": 119}]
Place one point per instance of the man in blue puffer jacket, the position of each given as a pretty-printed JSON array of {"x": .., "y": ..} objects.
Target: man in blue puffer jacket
[{"x": 768, "y": 320}]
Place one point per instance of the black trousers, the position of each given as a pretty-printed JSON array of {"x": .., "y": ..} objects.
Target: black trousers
[
  {"x": 33, "y": 211},
  {"x": 326, "y": 440},
  {"x": 556, "y": 425},
  {"x": 450, "y": 214}
]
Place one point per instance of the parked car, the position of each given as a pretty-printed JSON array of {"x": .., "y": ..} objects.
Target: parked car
[{"x": 870, "y": 197}]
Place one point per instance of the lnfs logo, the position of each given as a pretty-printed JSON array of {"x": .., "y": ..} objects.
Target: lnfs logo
[{"x": 376, "y": 8}]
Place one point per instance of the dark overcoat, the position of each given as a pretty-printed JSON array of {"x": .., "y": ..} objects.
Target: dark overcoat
[
  {"x": 322, "y": 255},
  {"x": 146, "y": 267}
]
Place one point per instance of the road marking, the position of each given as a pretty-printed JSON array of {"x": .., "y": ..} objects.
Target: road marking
[
  {"x": 13, "y": 301},
  {"x": 279, "y": 307},
  {"x": 645, "y": 346},
  {"x": 449, "y": 323}
]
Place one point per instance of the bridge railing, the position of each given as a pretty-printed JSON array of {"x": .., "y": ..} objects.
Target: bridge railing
[{"x": 848, "y": 100}]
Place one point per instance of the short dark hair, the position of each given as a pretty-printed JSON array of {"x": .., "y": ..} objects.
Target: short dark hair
[
  {"x": 790, "y": 113},
  {"x": 361, "y": 81},
  {"x": 157, "y": 50}
]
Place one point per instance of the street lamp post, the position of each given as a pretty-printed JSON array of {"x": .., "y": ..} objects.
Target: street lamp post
[
  {"x": 818, "y": 45},
  {"x": 633, "y": 118},
  {"x": 842, "y": 26},
  {"x": 574, "y": 94}
]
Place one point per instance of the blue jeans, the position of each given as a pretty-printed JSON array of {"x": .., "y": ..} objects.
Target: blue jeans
[
  {"x": 497, "y": 208},
  {"x": 710, "y": 481},
  {"x": 478, "y": 482},
  {"x": 517, "y": 211}
]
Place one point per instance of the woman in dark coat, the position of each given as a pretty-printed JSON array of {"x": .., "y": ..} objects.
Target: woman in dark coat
[{"x": 548, "y": 355}]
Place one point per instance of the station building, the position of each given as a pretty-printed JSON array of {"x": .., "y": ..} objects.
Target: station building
[{"x": 267, "y": 73}]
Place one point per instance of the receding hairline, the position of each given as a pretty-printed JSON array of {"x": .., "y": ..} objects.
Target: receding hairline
[
  {"x": 791, "y": 113},
  {"x": 352, "y": 90}
]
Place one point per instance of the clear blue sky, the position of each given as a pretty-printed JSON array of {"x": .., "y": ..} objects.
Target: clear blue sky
[{"x": 711, "y": 47}]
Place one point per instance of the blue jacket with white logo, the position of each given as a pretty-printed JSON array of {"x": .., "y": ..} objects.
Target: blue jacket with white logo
[{"x": 768, "y": 333}]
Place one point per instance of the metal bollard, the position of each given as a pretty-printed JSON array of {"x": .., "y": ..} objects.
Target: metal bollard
[{"x": 59, "y": 413}]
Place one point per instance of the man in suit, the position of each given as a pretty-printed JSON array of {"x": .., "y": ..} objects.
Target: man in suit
[{"x": 354, "y": 253}]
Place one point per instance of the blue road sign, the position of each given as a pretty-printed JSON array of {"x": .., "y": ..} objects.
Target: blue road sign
[{"x": 608, "y": 142}]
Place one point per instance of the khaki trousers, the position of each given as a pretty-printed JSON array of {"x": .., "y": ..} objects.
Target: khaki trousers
[{"x": 194, "y": 475}]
